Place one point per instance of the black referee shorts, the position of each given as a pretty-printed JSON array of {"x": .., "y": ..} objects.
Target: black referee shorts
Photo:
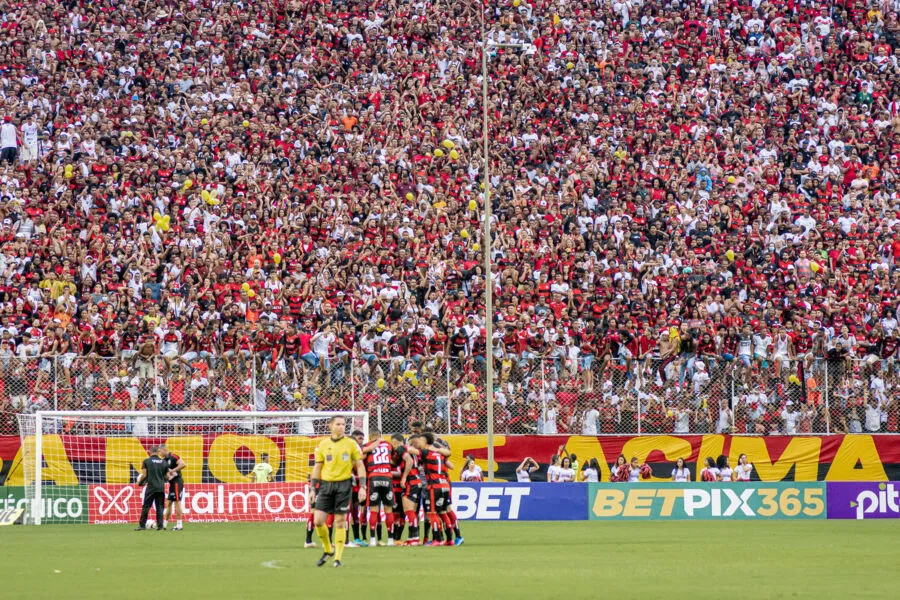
[{"x": 334, "y": 497}]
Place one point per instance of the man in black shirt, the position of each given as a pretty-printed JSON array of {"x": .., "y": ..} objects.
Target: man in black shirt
[{"x": 153, "y": 475}]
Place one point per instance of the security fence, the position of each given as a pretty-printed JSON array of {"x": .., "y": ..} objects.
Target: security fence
[{"x": 686, "y": 394}]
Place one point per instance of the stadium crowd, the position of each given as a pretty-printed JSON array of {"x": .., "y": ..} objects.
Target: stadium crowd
[{"x": 258, "y": 204}]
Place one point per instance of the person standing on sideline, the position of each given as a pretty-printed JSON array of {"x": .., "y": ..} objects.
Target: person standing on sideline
[
  {"x": 553, "y": 469},
  {"x": 153, "y": 475},
  {"x": 710, "y": 472},
  {"x": 725, "y": 472},
  {"x": 262, "y": 471},
  {"x": 336, "y": 457},
  {"x": 176, "y": 488},
  {"x": 681, "y": 474},
  {"x": 620, "y": 470},
  {"x": 744, "y": 469},
  {"x": 524, "y": 470},
  {"x": 573, "y": 460},
  {"x": 471, "y": 471},
  {"x": 590, "y": 473},
  {"x": 566, "y": 471},
  {"x": 9, "y": 141}
]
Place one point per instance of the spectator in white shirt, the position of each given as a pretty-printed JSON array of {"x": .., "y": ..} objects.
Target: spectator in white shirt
[
  {"x": 321, "y": 345},
  {"x": 9, "y": 141},
  {"x": 471, "y": 471},
  {"x": 524, "y": 470},
  {"x": 743, "y": 470},
  {"x": 566, "y": 473},
  {"x": 29, "y": 141},
  {"x": 589, "y": 426},
  {"x": 725, "y": 472},
  {"x": 681, "y": 474},
  {"x": 550, "y": 420},
  {"x": 590, "y": 473},
  {"x": 682, "y": 419},
  {"x": 553, "y": 470},
  {"x": 873, "y": 415},
  {"x": 790, "y": 416}
]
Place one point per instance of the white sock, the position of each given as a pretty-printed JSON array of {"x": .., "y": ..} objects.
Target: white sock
[
  {"x": 178, "y": 524},
  {"x": 165, "y": 524}
]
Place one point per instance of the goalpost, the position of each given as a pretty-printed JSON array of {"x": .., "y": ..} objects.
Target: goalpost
[{"x": 97, "y": 456}]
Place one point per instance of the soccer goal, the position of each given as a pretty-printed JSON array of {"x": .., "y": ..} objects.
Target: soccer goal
[{"x": 94, "y": 458}]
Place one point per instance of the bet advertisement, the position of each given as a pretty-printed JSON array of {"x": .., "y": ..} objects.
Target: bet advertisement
[
  {"x": 520, "y": 501},
  {"x": 707, "y": 501}
]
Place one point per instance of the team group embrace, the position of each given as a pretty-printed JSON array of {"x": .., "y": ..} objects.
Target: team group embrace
[{"x": 398, "y": 478}]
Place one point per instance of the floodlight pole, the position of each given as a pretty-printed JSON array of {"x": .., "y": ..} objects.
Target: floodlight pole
[{"x": 488, "y": 273}]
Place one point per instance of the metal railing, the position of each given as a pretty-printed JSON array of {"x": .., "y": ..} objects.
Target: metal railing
[{"x": 533, "y": 395}]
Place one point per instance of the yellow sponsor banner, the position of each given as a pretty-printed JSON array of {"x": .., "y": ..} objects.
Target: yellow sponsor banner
[{"x": 229, "y": 457}]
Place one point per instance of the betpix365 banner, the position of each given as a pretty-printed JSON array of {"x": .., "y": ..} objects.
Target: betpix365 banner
[
  {"x": 707, "y": 501},
  {"x": 854, "y": 500},
  {"x": 520, "y": 501}
]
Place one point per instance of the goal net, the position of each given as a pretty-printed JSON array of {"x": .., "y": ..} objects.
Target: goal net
[{"x": 81, "y": 466}]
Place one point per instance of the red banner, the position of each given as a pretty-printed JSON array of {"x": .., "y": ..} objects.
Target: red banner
[
  {"x": 229, "y": 458},
  {"x": 206, "y": 503}
]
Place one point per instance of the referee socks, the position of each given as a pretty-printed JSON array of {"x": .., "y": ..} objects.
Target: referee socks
[{"x": 322, "y": 532}]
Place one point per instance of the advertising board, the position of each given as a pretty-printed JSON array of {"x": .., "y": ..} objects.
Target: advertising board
[
  {"x": 754, "y": 500},
  {"x": 853, "y": 500},
  {"x": 227, "y": 457},
  {"x": 207, "y": 503},
  {"x": 61, "y": 504},
  {"x": 520, "y": 501}
]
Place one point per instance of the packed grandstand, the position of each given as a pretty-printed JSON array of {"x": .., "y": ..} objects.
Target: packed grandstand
[{"x": 268, "y": 205}]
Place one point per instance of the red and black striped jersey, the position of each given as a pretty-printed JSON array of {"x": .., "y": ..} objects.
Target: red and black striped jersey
[
  {"x": 414, "y": 478},
  {"x": 378, "y": 461},
  {"x": 435, "y": 469}
]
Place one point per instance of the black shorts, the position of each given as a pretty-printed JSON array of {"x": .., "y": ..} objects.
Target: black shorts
[
  {"x": 8, "y": 155},
  {"x": 397, "y": 492},
  {"x": 438, "y": 500},
  {"x": 413, "y": 492},
  {"x": 176, "y": 492},
  {"x": 333, "y": 497},
  {"x": 380, "y": 492}
]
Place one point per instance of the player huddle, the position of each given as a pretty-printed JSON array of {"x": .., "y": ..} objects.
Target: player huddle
[{"x": 398, "y": 478}]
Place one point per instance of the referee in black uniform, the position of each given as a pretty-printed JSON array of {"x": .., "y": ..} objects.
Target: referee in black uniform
[{"x": 153, "y": 475}]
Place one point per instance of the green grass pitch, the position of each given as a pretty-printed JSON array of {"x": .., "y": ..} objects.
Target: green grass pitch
[{"x": 666, "y": 560}]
